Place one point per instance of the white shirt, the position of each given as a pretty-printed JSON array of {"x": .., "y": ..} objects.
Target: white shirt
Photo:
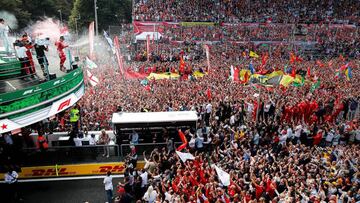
[
  {"x": 208, "y": 108},
  {"x": 168, "y": 196},
  {"x": 11, "y": 178},
  {"x": 298, "y": 131},
  {"x": 144, "y": 179},
  {"x": 329, "y": 137},
  {"x": 108, "y": 183},
  {"x": 192, "y": 142},
  {"x": 267, "y": 108},
  {"x": 150, "y": 198},
  {"x": 232, "y": 120},
  {"x": 250, "y": 107},
  {"x": 282, "y": 139},
  {"x": 21, "y": 52},
  {"x": 92, "y": 141},
  {"x": 78, "y": 141},
  {"x": 289, "y": 133}
]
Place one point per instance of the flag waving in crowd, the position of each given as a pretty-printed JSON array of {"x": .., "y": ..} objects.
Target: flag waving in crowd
[{"x": 92, "y": 79}]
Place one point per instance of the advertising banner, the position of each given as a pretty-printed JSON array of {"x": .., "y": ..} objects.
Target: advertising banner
[{"x": 73, "y": 170}]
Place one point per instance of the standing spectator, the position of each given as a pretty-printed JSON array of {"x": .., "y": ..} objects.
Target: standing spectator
[
  {"x": 144, "y": 180},
  {"x": 353, "y": 107},
  {"x": 150, "y": 195},
  {"x": 208, "y": 113},
  {"x": 134, "y": 138},
  {"x": 105, "y": 140},
  {"x": 42, "y": 143},
  {"x": 11, "y": 179},
  {"x": 92, "y": 140},
  {"x": 108, "y": 187}
]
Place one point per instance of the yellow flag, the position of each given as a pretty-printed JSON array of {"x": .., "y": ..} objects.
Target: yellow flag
[
  {"x": 286, "y": 80},
  {"x": 253, "y": 54}
]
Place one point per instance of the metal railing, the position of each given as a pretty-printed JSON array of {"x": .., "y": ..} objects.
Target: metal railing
[{"x": 70, "y": 155}]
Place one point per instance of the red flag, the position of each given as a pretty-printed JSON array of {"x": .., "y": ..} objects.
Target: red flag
[
  {"x": 308, "y": 72},
  {"x": 147, "y": 88},
  {"x": 320, "y": 64},
  {"x": 183, "y": 139},
  {"x": 148, "y": 47},
  {"x": 292, "y": 57},
  {"x": 182, "y": 65},
  {"x": 264, "y": 59},
  {"x": 341, "y": 57},
  {"x": 344, "y": 67},
  {"x": 330, "y": 63},
  {"x": 236, "y": 74},
  {"x": 246, "y": 78},
  {"x": 293, "y": 72},
  {"x": 208, "y": 93}
]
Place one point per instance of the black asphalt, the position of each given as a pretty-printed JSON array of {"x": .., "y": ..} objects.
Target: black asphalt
[{"x": 68, "y": 191}]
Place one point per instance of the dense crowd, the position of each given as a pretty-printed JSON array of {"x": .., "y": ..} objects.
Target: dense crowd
[
  {"x": 247, "y": 11},
  {"x": 296, "y": 143},
  {"x": 279, "y": 144}
]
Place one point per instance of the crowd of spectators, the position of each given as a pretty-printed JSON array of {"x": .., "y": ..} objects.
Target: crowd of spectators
[
  {"x": 247, "y": 11},
  {"x": 279, "y": 144}
]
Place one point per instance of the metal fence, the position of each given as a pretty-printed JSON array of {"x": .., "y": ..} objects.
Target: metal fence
[{"x": 70, "y": 155}]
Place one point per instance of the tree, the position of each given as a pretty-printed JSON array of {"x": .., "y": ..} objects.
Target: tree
[
  {"x": 28, "y": 11},
  {"x": 110, "y": 12}
]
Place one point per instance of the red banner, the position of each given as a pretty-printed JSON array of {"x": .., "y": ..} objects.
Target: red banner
[
  {"x": 148, "y": 47},
  {"x": 118, "y": 55}
]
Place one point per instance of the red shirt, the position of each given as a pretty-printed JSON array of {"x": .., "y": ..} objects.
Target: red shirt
[{"x": 258, "y": 191}]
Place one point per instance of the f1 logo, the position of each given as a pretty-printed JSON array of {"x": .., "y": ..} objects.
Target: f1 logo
[{"x": 64, "y": 104}]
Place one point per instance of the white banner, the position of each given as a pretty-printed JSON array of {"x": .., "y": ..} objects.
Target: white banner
[
  {"x": 7, "y": 125},
  {"x": 185, "y": 156},
  {"x": 223, "y": 176}
]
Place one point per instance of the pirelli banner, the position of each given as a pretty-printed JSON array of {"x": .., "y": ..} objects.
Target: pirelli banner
[{"x": 73, "y": 170}]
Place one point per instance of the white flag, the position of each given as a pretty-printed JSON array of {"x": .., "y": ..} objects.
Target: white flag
[
  {"x": 185, "y": 156},
  {"x": 232, "y": 72},
  {"x": 90, "y": 64},
  {"x": 223, "y": 176},
  {"x": 92, "y": 79}
]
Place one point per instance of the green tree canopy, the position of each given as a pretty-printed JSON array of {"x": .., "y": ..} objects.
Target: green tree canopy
[
  {"x": 110, "y": 12},
  {"x": 28, "y": 11}
]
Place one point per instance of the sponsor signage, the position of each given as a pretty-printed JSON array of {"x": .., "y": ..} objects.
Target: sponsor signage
[
  {"x": 73, "y": 170},
  {"x": 62, "y": 104},
  {"x": 75, "y": 74},
  {"x": 25, "y": 118}
]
